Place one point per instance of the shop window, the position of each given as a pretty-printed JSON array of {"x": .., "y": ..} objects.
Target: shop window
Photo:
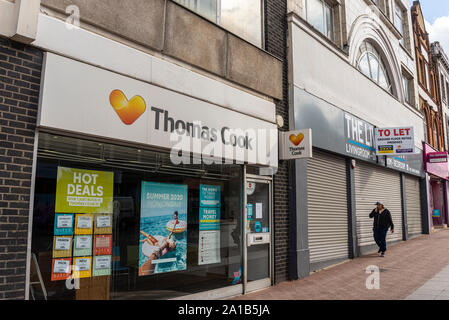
[
  {"x": 371, "y": 64},
  {"x": 319, "y": 13},
  {"x": 243, "y": 18},
  {"x": 159, "y": 240}
]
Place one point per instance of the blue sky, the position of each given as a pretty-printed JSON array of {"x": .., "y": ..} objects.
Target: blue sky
[
  {"x": 436, "y": 14},
  {"x": 433, "y": 9}
]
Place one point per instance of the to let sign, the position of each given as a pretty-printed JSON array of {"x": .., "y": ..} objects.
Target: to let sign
[{"x": 395, "y": 141}]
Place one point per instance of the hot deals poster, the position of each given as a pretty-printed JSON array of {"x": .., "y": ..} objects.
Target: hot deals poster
[{"x": 163, "y": 228}]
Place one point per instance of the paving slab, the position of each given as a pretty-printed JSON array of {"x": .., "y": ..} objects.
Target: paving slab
[{"x": 407, "y": 267}]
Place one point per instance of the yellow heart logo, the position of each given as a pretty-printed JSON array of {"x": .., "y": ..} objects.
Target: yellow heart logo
[
  {"x": 296, "y": 139},
  {"x": 127, "y": 110}
]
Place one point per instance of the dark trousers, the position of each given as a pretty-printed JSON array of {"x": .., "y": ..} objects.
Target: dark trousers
[{"x": 380, "y": 236}]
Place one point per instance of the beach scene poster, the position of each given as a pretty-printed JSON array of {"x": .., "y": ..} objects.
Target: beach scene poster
[{"x": 163, "y": 228}]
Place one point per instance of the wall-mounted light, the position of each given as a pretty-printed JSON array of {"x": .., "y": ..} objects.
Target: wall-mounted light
[{"x": 280, "y": 121}]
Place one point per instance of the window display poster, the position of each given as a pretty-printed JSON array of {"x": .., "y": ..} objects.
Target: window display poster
[
  {"x": 102, "y": 266},
  {"x": 209, "y": 247},
  {"x": 82, "y": 246},
  {"x": 63, "y": 224},
  {"x": 249, "y": 211},
  {"x": 103, "y": 224},
  {"x": 82, "y": 267},
  {"x": 209, "y": 219},
  {"x": 103, "y": 245},
  {"x": 209, "y": 196},
  {"x": 84, "y": 191},
  {"x": 84, "y": 224},
  {"x": 61, "y": 269},
  {"x": 163, "y": 226},
  {"x": 209, "y": 225},
  {"x": 62, "y": 246}
]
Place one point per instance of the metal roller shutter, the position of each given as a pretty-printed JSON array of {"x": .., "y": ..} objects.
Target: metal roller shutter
[
  {"x": 374, "y": 184},
  {"x": 327, "y": 208},
  {"x": 413, "y": 203}
]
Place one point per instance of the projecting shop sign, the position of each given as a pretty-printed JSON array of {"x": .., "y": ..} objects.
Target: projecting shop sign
[{"x": 395, "y": 141}]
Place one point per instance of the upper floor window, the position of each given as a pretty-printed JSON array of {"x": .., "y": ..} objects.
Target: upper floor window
[
  {"x": 399, "y": 20},
  {"x": 243, "y": 18},
  {"x": 382, "y": 5},
  {"x": 447, "y": 89},
  {"x": 371, "y": 64},
  {"x": 443, "y": 89},
  {"x": 320, "y": 15},
  {"x": 435, "y": 136},
  {"x": 407, "y": 82},
  {"x": 422, "y": 70}
]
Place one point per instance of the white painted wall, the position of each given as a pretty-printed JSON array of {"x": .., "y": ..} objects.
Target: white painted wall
[
  {"x": 89, "y": 47},
  {"x": 18, "y": 19},
  {"x": 327, "y": 73}
]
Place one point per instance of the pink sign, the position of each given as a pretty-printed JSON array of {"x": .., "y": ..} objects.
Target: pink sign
[
  {"x": 434, "y": 162},
  {"x": 437, "y": 157}
]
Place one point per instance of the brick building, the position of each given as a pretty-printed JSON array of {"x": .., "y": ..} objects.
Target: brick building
[
  {"x": 208, "y": 64},
  {"x": 276, "y": 37},
  {"x": 20, "y": 72},
  {"x": 432, "y": 109}
]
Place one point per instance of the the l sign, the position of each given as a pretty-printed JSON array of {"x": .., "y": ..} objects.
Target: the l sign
[{"x": 295, "y": 144}]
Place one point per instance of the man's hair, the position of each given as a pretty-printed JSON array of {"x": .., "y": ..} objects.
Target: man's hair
[{"x": 176, "y": 213}]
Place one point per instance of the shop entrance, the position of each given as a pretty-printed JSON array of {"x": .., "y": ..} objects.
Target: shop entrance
[{"x": 258, "y": 234}]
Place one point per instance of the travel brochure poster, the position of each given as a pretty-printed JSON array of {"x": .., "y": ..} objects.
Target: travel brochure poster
[
  {"x": 209, "y": 225},
  {"x": 163, "y": 228}
]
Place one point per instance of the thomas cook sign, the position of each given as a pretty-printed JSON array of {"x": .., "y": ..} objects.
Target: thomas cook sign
[{"x": 296, "y": 144}]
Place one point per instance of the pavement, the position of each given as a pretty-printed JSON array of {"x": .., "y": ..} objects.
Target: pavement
[
  {"x": 436, "y": 288},
  {"x": 416, "y": 269}
]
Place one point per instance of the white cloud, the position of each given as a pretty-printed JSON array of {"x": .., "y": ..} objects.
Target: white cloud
[{"x": 439, "y": 31}]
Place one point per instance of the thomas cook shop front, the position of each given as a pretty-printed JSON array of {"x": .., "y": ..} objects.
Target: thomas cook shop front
[{"x": 126, "y": 203}]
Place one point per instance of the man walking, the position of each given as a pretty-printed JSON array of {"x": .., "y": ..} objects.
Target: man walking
[{"x": 382, "y": 222}]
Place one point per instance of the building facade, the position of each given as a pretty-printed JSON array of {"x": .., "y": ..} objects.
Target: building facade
[
  {"x": 140, "y": 160},
  {"x": 441, "y": 63},
  {"x": 368, "y": 80},
  {"x": 429, "y": 104},
  {"x": 442, "y": 70}
]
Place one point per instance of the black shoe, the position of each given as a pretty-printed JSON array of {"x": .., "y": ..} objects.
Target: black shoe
[{"x": 379, "y": 251}]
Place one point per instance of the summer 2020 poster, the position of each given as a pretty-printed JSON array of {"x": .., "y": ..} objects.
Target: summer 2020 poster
[{"x": 163, "y": 228}]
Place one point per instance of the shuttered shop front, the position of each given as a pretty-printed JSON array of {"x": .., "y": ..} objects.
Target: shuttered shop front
[
  {"x": 327, "y": 209},
  {"x": 413, "y": 206},
  {"x": 372, "y": 184}
]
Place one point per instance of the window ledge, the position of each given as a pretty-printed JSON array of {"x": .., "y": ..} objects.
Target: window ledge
[
  {"x": 414, "y": 109},
  {"x": 312, "y": 31},
  {"x": 407, "y": 51}
]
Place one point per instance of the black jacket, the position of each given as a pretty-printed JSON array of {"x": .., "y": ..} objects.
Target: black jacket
[{"x": 383, "y": 220}]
